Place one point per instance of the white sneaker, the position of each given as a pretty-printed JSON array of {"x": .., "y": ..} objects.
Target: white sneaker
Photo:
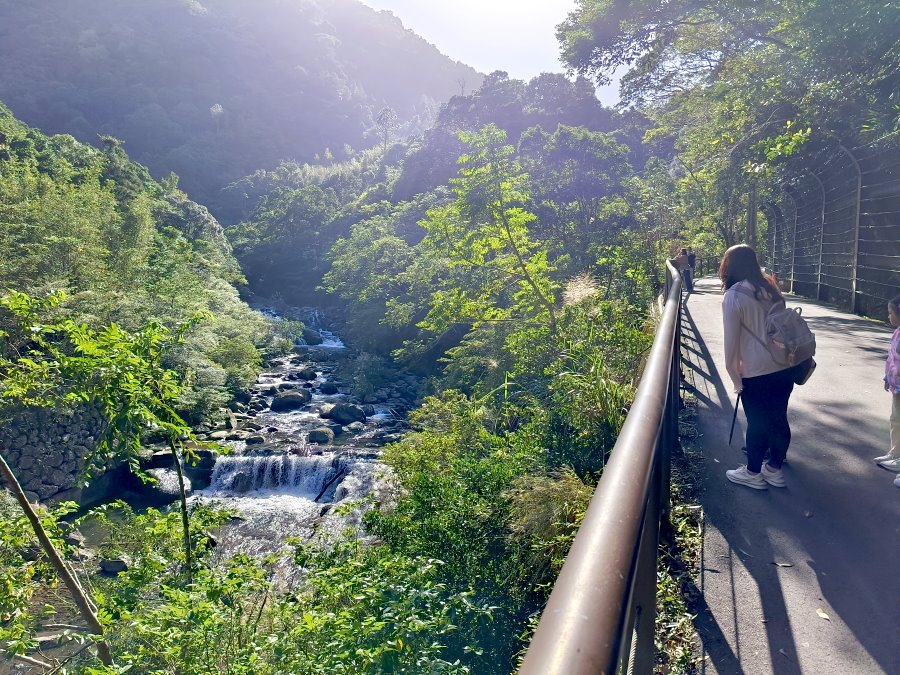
[
  {"x": 741, "y": 476},
  {"x": 891, "y": 465},
  {"x": 897, "y": 481},
  {"x": 774, "y": 477},
  {"x": 883, "y": 458}
]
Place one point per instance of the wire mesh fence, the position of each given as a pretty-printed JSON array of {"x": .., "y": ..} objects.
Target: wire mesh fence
[{"x": 833, "y": 226}]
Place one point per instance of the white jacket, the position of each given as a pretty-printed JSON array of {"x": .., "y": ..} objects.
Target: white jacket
[{"x": 745, "y": 356}]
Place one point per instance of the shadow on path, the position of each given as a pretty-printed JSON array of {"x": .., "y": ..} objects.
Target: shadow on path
[{"x": 827, "y": 542}]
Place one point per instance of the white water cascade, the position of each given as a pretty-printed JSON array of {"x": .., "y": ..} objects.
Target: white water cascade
[
  {"x": 274, "y": 497},
  {"x": 285, "y": 473},
  {"x": 282, "y": 486}
]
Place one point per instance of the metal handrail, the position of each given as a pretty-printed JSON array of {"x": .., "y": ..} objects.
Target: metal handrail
[{"x": 601, "y": 612}]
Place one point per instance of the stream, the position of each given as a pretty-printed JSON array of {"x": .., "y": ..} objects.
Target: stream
[{"x": 290, "y": 467}]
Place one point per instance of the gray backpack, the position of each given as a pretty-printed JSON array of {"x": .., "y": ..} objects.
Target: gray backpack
[{"x": 789, "y": 339}]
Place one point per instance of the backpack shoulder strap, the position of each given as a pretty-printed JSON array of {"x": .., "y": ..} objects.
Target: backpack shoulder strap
[
  {"x": 753, "y": 335},
  {"x": 749, "y": 293}
]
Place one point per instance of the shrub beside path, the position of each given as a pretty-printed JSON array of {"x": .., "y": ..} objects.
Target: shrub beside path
[{"x": 804, "y": 579}]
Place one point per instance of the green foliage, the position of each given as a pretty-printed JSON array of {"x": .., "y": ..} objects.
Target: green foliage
[
  {"x": 579, "y": 184},
  {"x": 382, "y": 275},
  {"x": 368, "y": 372},
  {"x": 740, "y": 91},
  {"x": 210, "y": 627},
  {"x": 26, "y": 577},
  {"x": 545, "y": 514},
  {"x": 367, "y": 609},
  {"x": 354, "y": 609},
  {"x": 486, "y": 235},
  {"x": 128, "y": 252},
  {"x": 152, "y": 542},
  {"x": 284, "y": 244},
  {"x": 533, "y": 392},
  {"x": 65, "y": 364},
  {"x": 453, "y": 473},
  {"x": 240, "y": 359},
  {"x": 588, "y": 407}
]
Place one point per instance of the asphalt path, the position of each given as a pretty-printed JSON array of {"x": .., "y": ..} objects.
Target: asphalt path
[{"x": 802, "y": 579}]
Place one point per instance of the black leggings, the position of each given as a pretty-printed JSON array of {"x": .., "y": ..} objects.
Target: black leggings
[{"x": 765, "y": 401}]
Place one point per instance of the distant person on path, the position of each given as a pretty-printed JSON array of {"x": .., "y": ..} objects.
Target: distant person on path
[
  {"x": 683, "y": 264},
  {"x": 891, "y": 461},
  {"x": 692, "y": 260},
  {"x": 764, "y": 385}
]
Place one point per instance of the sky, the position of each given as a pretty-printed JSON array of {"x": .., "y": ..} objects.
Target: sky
[{"x": 518, "y": 36}]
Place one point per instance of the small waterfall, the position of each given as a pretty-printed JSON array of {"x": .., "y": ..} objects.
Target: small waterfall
[
  {"x": 312, "y": 318},
  {"x": 293, "y": 474},
  {"x": 167, "y": 481}
]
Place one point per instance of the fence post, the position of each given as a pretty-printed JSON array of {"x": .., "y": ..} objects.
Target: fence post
[
  {"x": 770, "y": 260},
  {"x": 821, "y": 235},
  {"x": 787, "y": 190},
  {"x": 855, "y": 228},
  {"x": 751, "y": 215}
]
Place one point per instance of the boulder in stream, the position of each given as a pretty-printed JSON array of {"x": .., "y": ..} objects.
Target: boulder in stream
[
  {"x": 200, "y": 470},
  {"x": 113, "y": 566},
  {"x": 291, "y": 400},
  {"x": 328, "y": 388},
  {"x": 242, "y": 482},
  {"x": 311, "y": 337},
  {"x": 346, "y": 413},
  {"x": 322, "y": 435},
  {"x": 162, "y": 459}
]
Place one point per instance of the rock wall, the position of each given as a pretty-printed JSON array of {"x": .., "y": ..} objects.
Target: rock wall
[{"x": 46, "y": 448}]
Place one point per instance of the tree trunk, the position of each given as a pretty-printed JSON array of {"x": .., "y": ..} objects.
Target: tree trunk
[
  {"x": 85, "y": 606},
  {"x": 185, "y": 521}
]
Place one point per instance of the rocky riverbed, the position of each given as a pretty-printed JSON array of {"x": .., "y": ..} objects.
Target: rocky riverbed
[{"x": 299, "y": 443}]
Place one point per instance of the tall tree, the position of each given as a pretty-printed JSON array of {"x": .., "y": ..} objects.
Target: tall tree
[
  {"x": 579, "y": 179},
  {"x": 486, "y": 235}
]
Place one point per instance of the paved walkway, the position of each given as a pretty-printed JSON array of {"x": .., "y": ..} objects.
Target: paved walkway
[{"x": 829, "y": 542}]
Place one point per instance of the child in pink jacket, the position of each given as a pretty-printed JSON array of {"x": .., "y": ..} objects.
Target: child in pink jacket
[{"x": 891, "y": 461}]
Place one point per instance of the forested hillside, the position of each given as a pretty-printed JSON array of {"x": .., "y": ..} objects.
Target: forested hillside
[
  {"x": 574, "y": 149},
  {"x": 217, "y": 90},
  {"x": 125, "y": 249}
]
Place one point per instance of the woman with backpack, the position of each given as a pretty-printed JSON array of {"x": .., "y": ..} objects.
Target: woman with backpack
[{"x": 764, "y": 384}]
